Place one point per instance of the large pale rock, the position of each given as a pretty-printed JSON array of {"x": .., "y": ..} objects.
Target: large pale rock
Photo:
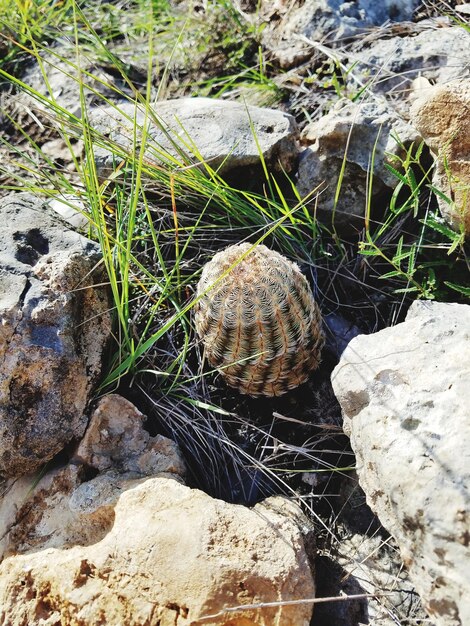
[
  {"x": 100, "y": 540},
  {"x": 55, "y": 324},
  {"x": 226, "y": 134},
  {"x": 171, "y": 556},
  {"x": 322, "y": 20},
  {"x": 352, "y": 131},
  {"x": 405, "y": 397},
  {"x": 441, "y": 114}
]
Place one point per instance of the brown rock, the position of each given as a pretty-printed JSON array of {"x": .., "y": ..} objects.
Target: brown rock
[
  {"x": 124, "y": 549},
  {"x": 115, "y": 439},
  {"x": 441, "y": 115},
  {"x": 66, "y": 507}
]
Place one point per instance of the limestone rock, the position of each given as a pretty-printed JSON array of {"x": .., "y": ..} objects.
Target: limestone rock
[
  {"x": 163, "y": 553},
  {"x": 405, "y": 397},
  {"x": 98, "y": 539},
  {"x": 441, "y": 115},
  {"x": 116, "y": 439},
  {"x": 440, "y": 54},
  {"x": 323, "y": 20},
  {"x": 55, "y": 326},
  {"x": 354, "y": 130},
  {"x": 67, "y": 506},
  {"x": 218, "y": 130},
  {"x": 64, "y": 74}
]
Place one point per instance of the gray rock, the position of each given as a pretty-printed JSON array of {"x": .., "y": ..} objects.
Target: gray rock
[
  {"x": 217, "y": 130},
  {"x": 54, "y": 327},
  {"x": 440, "y": 54},
  {"x": 405, "y": 397},
  {"x": 65, "y": 73},
  {"x": 351, "y": 130},
  {"x": 321, "y": 20}
]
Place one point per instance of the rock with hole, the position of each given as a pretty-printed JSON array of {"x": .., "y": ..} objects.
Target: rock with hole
[
  {"x": 55, "y": 326},
  {"x": 189, "y": 131}
]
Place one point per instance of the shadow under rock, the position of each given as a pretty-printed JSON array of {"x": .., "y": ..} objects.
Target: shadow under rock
[{"x": 332, "y": 580}]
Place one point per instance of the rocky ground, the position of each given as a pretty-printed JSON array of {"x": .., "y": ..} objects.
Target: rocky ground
[{"x": 148, "y": 493}]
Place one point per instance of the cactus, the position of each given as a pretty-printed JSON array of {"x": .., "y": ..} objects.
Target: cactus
[{"x": 260, "y": 325}]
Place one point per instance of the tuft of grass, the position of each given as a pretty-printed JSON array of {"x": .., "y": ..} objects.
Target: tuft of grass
[{"x": 423, "y": 260}]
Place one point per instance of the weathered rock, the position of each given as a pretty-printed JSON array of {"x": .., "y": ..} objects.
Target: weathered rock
[
  {"x": 364, "y": 561},
  {"x": 217, "y": 130},
  {"x": 463, "y": 8},
  {"x": 154, "y": 550},
  {"x": 99, "y": 538},
  {"x": 353, "y": 131},
  {"x": 441, "y": 115},
  {"x": 67, "y": 507},
  {"x": 323, "y": 20},
  {"x": 115, "y": 439},
  {"x": 55, "y": 326},
  {"x": 405, "y": 396},
  {"x": 440, "y": 54}
]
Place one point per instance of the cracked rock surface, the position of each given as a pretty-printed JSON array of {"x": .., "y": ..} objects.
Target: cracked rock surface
[
  {"x": 323, "y": 20},
  {"x": 351, "y": 132},
  {"x": 55, "y": 324},
  {"x": 405, "y": 396}
]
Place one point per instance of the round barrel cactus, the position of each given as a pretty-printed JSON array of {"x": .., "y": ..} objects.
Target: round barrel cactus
[{"x": 258, "y": 320}]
